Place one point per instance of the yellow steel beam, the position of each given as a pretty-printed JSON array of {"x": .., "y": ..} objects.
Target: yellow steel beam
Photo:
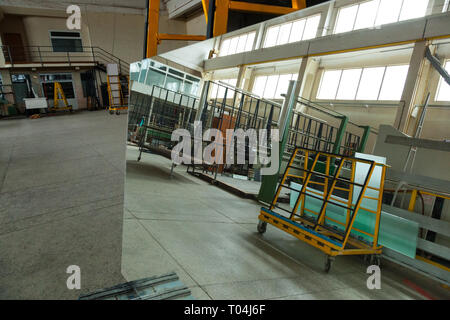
[
  {"x": 205, "y": 4},
  {"x": 298, "y": 4},
  {"x": 153, "y": 25},
  {"x": 221, "y": 17},
  {"x": 259, "y": 8},
  {"x": 186, "y": 37}
]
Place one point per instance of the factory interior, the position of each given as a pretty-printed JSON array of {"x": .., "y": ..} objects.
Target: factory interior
[{"x": 248, "y": 150}]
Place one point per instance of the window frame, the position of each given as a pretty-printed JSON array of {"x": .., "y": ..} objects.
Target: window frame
[
  {"x": 293, "y": 75},
  {"x": 62, "y": 37},
  {"x": 291, "y": 22},
  {"x": 237, "y": 36},
  {"x": 441, "y": 82},
  {"x": 359, "y": 82},
  {"x": 376, "y": 15}
]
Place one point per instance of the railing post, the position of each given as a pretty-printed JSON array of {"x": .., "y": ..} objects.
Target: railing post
[
  {"x": 10, "y": 56},
  {"x": 40, "y": 56},
  {"x": 340, "y": 135},
  {"x": 120, "y": 66},
  {"x": 93, "y": 55},
  {"x": 68, "y": 58},
  {"x": 364, "y": 138}
]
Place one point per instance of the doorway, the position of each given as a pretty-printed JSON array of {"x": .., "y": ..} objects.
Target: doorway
[{"x": 16, "y": 52}]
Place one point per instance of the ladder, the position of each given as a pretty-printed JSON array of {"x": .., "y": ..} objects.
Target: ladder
[
  {"x": 118, "y": 95},
  {"x": 409, "y": 163},
  {"x": 58, "y": 95}
]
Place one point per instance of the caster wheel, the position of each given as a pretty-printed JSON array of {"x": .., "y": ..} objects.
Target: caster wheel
[
  {"x": 111, "y": 112},
  {"x": 328, "y": 264},
  {"x": 139, "y": 159},
  {"x": 118, "y": 113},
  {"x": 262, "y": 227}
]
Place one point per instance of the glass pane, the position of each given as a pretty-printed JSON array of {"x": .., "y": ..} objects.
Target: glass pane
[
  {"x": 393, "y": 83},
  {"x": 271, "y": 36},
  {"x": 283, "y": 85},
  {"x": 283, "y": 36},
  {"x": 311, "y": 26},
  {"x": 413, "y": 9},
  {"x": 135, "y": 68},
  {"x": 233, "y": 45},
  {"x": 370, "y": 83},
  {"x": 259, "y": 86},
  {"x": 225, "y": 47},
  {"x": 143, "y": 73},
  {"x": 346, "y": 19},
  {"x": 297, "y": 30},
  {"x": 173, "y": 83},
  {"x": 366, "y": 14},
  {"x": 349, "y": 84},
  {"x": 155, "y": 78},
  {"x": 329, "y": 84},
  {"x": 444, "y": 88},
  {"x": 388, "y": 12},
  {"x": 67, "y": 45},
  {"x": 271, "y": 87},
  {"x": 241, "y": 43},
  {"x": 250, "y": 40}
]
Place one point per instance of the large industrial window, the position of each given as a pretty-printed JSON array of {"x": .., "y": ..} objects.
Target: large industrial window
[
  {"x": 66, "y": 41},
  {"x": 272, "y": 87},
  {"x": 443, "y": 92},
  {"x": 237, "y": 44},
  {"x": 292, "y": 31},
  {"x": 377, "y": 12},
  {"x": 376, "y": 83},
  {"x": 218, "y": 91}
]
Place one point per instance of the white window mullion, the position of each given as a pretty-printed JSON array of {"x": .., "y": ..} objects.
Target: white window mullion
[{"x": 382, "y": 80}]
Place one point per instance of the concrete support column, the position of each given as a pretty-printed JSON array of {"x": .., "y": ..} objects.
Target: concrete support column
[
  {"x": 301, "y": 77},
  {"x": 241, "y": 77},
  {"x": 409, "y": 91}
]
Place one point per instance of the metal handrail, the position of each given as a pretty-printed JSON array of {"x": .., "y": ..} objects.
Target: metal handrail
[{"x": 47, "y": 54}]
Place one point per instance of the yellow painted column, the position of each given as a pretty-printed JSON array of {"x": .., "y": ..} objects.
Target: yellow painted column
[
  {"x": 221, "y": 17},
  {"x": 153, "y": 26}
]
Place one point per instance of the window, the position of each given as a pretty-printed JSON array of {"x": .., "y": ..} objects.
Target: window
[
  {"x": 293, "y": 31},
  {"x": 377, "y": 12},
  {"x": 393, "y": 82},
  {"x": 375, "y": 83},
  {"x": 237, "y": 44},
  {"x": 272, "y": 87},
  {"x": 66, "y": 41},
  {"x": 443, "y": 92},
  {"x": 218, "y": 91},
  {"x": 153, "y": 73}
]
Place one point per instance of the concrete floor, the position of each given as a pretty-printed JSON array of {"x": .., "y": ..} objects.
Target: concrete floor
[
  {"x": 61, "y": 203},
  {"x": 208, "y": 236}
]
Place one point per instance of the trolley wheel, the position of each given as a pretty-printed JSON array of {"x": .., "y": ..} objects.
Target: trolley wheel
[
  {"x": 139, "y": 158},
  {"x": 118, "y": 112},
  {"x": 111, "y": 112},
  {"x": 328, "y": 263},
  {"x": 262, "y": 227}
]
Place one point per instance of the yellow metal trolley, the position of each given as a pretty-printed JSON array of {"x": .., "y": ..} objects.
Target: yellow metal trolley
[
  {"x": 118, "y": 97},
  {"x": 335, "y": 206}
]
